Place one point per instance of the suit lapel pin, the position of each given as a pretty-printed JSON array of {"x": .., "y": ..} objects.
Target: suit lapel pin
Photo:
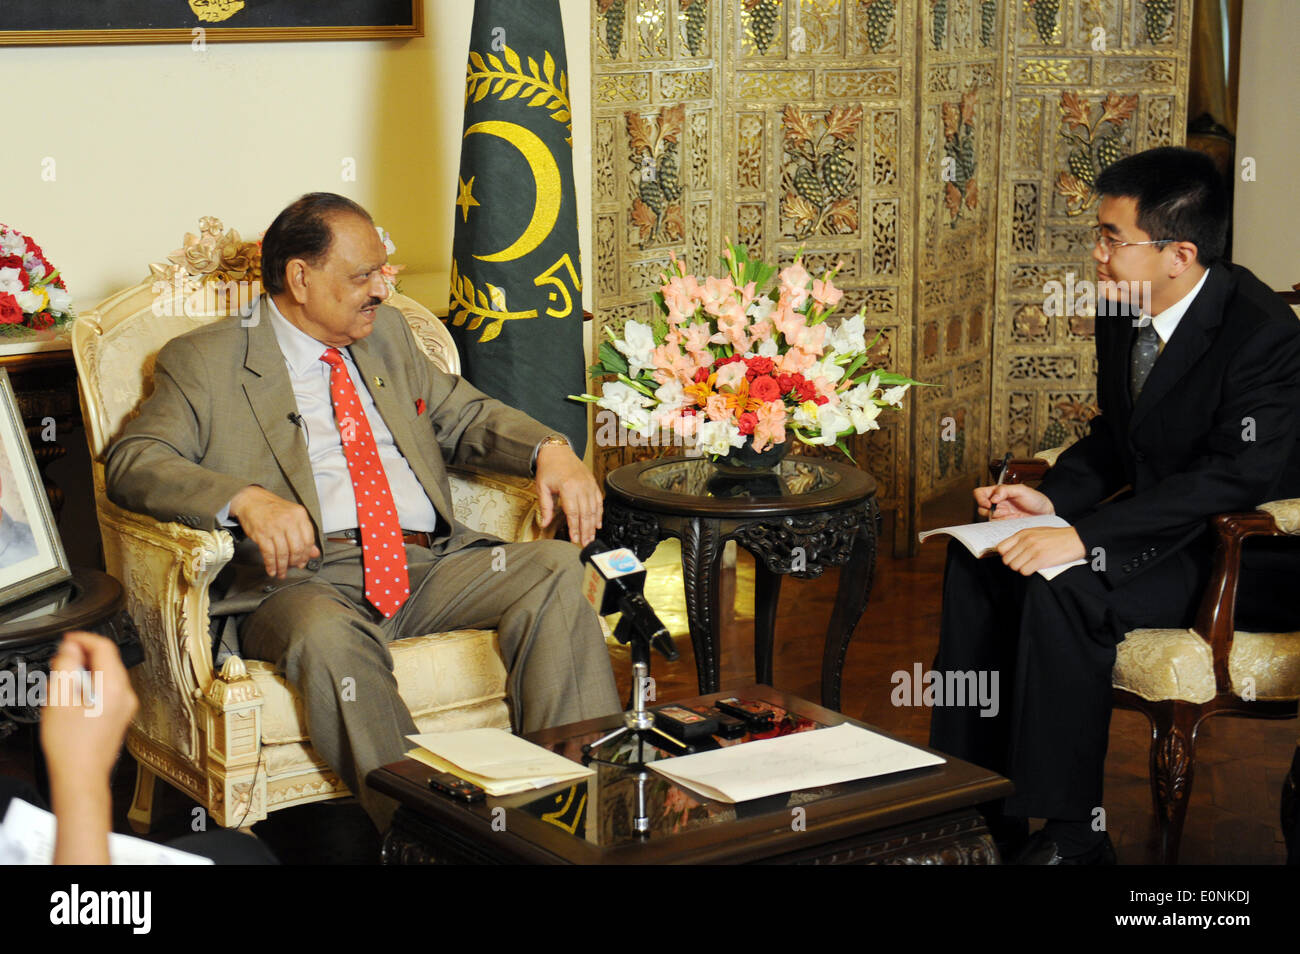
[{"x": 379, "y": 382}]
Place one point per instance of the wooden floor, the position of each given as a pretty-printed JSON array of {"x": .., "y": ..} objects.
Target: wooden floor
[{"x": 1232, "y": 817}]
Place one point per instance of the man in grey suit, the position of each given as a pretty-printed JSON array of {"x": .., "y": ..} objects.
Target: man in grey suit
[{"x": 241, "y": 430}]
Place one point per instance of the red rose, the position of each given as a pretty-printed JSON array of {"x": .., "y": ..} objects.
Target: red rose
[
  {"x": 765, "y": 389},
  {"x": 758, "y": 366},
  {"x": 10, "y": 313},
  {"x": 11, "y": 261},
  {"x": 785, "y": 382},
  {"x": 729, "y": 359},
  {"x": 748, "y": 421},
  {"x": 701, "y": 375},
  {"x": 806, "y": 390},
  {"x": 41, "y": 320}
]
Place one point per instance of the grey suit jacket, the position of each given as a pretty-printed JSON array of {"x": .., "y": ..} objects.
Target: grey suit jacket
[{"x": 220, "y": 418}]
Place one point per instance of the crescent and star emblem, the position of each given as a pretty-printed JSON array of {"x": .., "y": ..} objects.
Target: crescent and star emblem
[{"x": 546, "y": 177}]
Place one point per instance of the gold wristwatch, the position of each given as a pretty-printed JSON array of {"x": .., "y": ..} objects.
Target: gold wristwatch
[{"x": 547, "y": 441}]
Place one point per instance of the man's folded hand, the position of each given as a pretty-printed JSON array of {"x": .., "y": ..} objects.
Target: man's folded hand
[{"x": 282, "y": 530}]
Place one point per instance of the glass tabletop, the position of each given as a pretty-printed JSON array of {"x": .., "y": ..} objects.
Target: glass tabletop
[
  {"x": 793, "y": 477},
  {"x": 600, "y": 809}
]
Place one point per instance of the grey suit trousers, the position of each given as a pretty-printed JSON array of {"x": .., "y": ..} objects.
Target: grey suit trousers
[{"x": 322, "y": 632}]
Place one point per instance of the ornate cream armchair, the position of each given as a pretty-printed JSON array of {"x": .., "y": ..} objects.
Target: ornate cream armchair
[{"x": 235, "y": 740}]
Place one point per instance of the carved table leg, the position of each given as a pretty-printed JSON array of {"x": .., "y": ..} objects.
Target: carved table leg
[
  {"x": 767, "y": 593},
  {"x": 701, "y": 556},
  {"x": 850, "y": 601}
]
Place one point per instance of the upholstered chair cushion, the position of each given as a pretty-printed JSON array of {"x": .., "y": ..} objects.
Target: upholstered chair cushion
[{"x": 1160, "y": 664}]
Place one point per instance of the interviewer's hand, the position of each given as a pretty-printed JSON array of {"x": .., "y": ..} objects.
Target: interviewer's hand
[
  {"x": 1013, "y": 500},
  {"x": 81, "y": 738},
  {"x": 562, "y": 476},
  {"x": 281, "y": 530},
  {"x": 1030, "y": 550}
]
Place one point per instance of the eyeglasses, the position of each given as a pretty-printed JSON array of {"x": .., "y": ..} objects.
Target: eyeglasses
[{"x": 1108, "y": 244}]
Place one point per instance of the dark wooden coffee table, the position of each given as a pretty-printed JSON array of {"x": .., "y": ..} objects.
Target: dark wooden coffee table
[{"x": 925, "y": 816}]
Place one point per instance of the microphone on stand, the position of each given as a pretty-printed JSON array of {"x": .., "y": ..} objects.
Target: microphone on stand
[{"x": 615, "y": 583}]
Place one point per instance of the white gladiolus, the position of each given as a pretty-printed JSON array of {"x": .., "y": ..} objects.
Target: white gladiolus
[
  {"x": 11, "y": 243},
  {"x": 832, "y": 420},
  {"x": 630, "y": 406},
  {"x": 637, "y": 345},
  {"x": 760, "y": 308},
  {"x": 849, "y": 337},
  {"x": 805, "y": 415},
  {"x": 894, "y": 396},
  {"x": 10, "y": 281},
  {"x": 30, "y": 301},
  {"x": 769, "y": 348},
  {"x": 719, "y": 437},
  {"x": 671, "y": 395}
]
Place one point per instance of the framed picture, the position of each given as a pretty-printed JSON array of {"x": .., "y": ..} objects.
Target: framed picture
[
  {"x": 48, "y": 22},
  {"x": 31, "y": 554}
]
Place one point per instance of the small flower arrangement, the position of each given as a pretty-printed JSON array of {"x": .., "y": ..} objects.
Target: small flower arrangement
[
  {"x": 32, "y": 293},
  {"x": 728, "y": 365}
]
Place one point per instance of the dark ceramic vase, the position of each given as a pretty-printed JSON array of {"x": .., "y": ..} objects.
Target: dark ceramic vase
[{"x": 743, "y": 461}]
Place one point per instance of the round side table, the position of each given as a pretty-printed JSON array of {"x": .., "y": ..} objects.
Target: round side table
[
  {"x": 31, "y": 629},
  {"x": 804, "y": 516}
]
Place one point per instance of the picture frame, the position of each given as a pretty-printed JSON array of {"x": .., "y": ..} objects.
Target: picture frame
[
  {"x": 31, "y": 552},
  {"x": 67, "y": 22}
]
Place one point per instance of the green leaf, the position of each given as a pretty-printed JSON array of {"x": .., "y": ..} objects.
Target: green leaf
[
  {"x": 858, "y": 362},
  {"x": 658, "y": 298},
  {"x": 659, "y": 328},
  {"x": 845, "y": 449},
  {"x": 611, "y": 358}
]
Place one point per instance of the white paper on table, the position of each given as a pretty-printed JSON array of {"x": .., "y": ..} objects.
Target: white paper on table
[
  {"x": 28, "y": 834},
  {"x": 497, "y": 754},
  {"x": 793, "y": 762}
]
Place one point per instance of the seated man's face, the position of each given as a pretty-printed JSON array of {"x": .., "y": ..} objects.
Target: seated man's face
[
  {"x": 1128, "y": 267},
  {"x": 344, "y": 291}
]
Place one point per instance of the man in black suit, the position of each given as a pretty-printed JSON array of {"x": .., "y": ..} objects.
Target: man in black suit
[{"x": 1198, "y": 382}]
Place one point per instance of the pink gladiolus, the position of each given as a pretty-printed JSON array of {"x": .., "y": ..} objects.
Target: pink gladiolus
[
  {"x": 716, "y": 408},
  {"x": 696, "y": 338},
  {"x": 794, "y": 282},
  {"x": 729, "y": 375},
  {"x": 795, "y": 361},
  {"x": 826, "y": 294},
  {"x": 771, "y": 425},
  {"x": 671, "y": 363},
  {"x": 761, "y": 330}
]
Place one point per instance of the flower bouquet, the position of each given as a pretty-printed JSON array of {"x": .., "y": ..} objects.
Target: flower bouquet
[
  {"x": 32, "y": 294},
  {"x": 734, "y": 372}
]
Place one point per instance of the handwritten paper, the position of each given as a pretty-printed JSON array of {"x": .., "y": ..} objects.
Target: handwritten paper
[
  {"x": 28, "y": 839},
  {"x": 793, "y": 762}
]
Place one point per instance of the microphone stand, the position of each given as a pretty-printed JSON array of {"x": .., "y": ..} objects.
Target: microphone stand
[{"x": 638, "y": 722}]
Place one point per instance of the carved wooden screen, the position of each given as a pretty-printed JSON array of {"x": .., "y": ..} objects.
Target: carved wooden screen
[
  {"x": 1071, "y": 108},
  {"x": 917, "y": 142}
]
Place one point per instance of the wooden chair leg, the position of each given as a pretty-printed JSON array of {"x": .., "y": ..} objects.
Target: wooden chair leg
[
  {"x": 1291, "y": 810},
  {"x": 140, "y": 815},
  {"x": 1173, "y": 753}
]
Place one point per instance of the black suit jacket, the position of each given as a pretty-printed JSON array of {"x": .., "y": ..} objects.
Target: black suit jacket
[{"x": 1214, "y": 429}]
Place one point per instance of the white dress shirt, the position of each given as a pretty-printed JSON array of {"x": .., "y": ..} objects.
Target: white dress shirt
[
  {"x": 309, "y": 377},
  {"x": 1167, "y": 321}
]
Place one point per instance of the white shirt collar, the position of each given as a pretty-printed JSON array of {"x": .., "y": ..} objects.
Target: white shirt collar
[
  {"x": 301, "y": 351},
  {"x": 1168, "y": 320}
]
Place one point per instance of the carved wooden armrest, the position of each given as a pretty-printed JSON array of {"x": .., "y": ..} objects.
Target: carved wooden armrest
[
  {"x": 1020, "y": 469},
  {"x": 1214, "y": 618}
]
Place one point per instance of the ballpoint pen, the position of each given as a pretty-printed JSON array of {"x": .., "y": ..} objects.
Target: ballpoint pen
[{"x": 1002, "y": 475}]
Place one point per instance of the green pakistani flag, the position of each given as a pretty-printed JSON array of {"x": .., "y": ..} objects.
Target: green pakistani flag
[{"x": 516, "y": 279}]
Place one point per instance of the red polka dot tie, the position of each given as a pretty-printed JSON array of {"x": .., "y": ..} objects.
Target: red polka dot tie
[{"x": 383, "y": 557}]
